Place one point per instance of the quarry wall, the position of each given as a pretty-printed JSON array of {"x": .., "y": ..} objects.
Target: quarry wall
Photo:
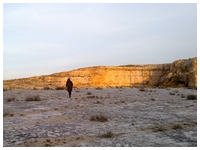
[{"x": 180, "y": 73}]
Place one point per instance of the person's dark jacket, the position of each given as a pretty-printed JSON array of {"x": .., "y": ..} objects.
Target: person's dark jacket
[{"x": 69, "y": 85}]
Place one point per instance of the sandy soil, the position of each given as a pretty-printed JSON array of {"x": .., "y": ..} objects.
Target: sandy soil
[{"x": 129, "y": 117}]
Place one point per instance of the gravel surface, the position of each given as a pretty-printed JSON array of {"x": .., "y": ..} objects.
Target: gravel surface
[{"x": 95, "y": 117}]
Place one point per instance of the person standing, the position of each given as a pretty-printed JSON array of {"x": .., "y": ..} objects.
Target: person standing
[{"x": 69, "y": 86}]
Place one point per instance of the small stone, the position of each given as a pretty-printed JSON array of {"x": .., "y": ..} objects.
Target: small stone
[
  {"x": 82, "y": 145},
  {"x": 118, "y": 145},
  {"x": 126, "y": 145},
  {"x": 51, "y": 135},
  {"x": 57, "y": 134}
]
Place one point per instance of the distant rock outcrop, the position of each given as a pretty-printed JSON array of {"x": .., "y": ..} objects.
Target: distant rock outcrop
[{"x": 181, "y": 73}]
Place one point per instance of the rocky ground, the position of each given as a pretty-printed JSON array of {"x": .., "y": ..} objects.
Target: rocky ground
[{"x": 129, "y": 117}]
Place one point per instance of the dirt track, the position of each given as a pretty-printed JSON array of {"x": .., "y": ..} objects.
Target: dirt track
[{"x": 135, "y": 117}]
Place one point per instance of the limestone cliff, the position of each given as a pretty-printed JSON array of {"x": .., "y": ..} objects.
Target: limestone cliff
[{"x": 181, "y": 73}]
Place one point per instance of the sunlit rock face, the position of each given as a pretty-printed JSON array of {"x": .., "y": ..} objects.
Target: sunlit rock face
[{"x": 180, "y": 73}]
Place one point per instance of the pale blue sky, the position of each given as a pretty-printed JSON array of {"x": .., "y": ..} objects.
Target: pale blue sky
[{"x": 41, "y": 39}]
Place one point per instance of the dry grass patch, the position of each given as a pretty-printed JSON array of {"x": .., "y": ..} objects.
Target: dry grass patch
[
  {"x": 95, "y": 97},
  {"x": 177, "y": 126},
  {"x": 159, "y": 129},
  {"x": 7, "y": 114},
  {"x": 92, "y": 96},
  {"x": 168, "y": 127}
]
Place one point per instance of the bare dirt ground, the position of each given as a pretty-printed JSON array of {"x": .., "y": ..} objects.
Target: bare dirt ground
[{"x": 129, "y": 117}]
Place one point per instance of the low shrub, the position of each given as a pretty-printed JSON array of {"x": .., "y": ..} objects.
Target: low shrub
[
  {"x": 142, "y": 89},
  {"x": 192, "y": 97},
  {"x": 98, "y": 88},
  {"x": 5, "y": 89},
  {"x": 47, "y": 145},
  {"x": 98, "y": 102},
  {"x": 99, "y": 118},
  {"x": 11, "y": 99},
  {"x": 89, "y": 93},
  {"x": 33, "y": 98},
  {"x": 7, "y": 114},
  {"x": 108, "y": 134},
  {"x": 46, "y": 88}
]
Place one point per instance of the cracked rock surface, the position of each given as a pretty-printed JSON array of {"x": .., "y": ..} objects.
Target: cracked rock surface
[{"x": 134, "y": 118}]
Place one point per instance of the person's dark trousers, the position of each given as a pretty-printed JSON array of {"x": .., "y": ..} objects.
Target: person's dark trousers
[{"x": 69, "y": 94}]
